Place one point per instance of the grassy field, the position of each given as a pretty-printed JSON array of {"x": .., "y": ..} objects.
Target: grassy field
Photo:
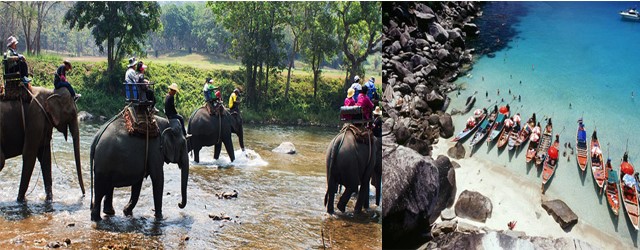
[{"x": 219, "y": 62}]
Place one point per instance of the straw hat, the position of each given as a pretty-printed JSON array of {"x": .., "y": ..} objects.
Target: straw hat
[
  {"x": 174, "y": 87},
  {"x": 68, "y": 63},
  {"x": 11, "y": 40},
  {"x": 377, "y": 111},
  {"x": 350, "y": 92}
]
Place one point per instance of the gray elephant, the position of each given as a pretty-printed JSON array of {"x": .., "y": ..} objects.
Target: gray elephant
[
  {"x": 376, "y": 177},
  {"x": 118, "y": 160},
  {"x": 27, "y": 129},
  {"x": 212, "y": 130},
  {"x": 350, "y": 163}
]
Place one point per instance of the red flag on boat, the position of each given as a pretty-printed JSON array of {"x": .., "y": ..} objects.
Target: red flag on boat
[
  {"x": 553, "y": 152},
  {"x": 626, "y": 168},
  {"x": 504, "y": 110}
]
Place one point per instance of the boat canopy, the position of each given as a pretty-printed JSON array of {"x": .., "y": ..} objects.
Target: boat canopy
[
  {"x": 582, "y": 136},
  {"x": 613, "y": 176}
]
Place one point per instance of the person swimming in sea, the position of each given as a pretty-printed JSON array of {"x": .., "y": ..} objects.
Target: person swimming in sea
[{"x": 569, "y": 105}]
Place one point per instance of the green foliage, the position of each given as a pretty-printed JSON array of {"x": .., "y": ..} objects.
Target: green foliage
[{"x": 122, "y": 25}]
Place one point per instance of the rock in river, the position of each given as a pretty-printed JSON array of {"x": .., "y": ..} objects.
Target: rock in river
[{"x": 285, "y": 148}]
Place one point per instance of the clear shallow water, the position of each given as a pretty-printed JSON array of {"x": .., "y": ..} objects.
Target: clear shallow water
[
  {"x": 564, "y": 53},
  {"x": 280, "y": 201}
]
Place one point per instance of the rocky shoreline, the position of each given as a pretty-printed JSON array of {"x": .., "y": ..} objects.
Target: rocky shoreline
[{"x": 424, "y": 51}]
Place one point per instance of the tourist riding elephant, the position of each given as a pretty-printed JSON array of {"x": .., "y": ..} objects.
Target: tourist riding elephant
[
  {"x": 350, "y": 163},
  {"x": 118, "y": 160},
  {"x": 210, "y": 130},
  {"x": 27, "y": 130}
]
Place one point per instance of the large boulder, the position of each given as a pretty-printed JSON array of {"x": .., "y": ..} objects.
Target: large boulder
[
  {"x": 435, "y": 100},
  {"x": 285, "y": 148},
  {"x": 473, "y": 205},
  {"x": 561, "y": 213},
  {"x": 470, "y": 29},
  {"x": 447, "y": 179},
  {"x": 446, "y": 126},
  {"x": 394, "y": 48},
  {"x": 438, "y": 32},
  {"x": 409, "y": 194},
  {"x": 85, "y": 116},
  {"x": 457, "y": 151}
]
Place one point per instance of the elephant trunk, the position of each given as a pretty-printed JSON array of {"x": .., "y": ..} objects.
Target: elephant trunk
[
  {"x": 75, "y": 134},
  {"x": 184, "y": 176}
]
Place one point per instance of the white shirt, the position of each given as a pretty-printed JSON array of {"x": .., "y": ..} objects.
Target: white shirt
[
  {"x": 356, "y": 86},
  {"x": 131, "y": 76}
]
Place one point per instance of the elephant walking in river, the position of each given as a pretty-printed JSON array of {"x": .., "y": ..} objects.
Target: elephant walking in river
[
  {"x": 213, "y": 130},
  {"x": 350, "y": 162},
  {"x": 118, "y": 160},
  {"x": 26, "y": 129}
]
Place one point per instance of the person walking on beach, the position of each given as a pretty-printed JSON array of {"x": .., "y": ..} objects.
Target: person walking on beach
[{"x": 486, "y": 94}]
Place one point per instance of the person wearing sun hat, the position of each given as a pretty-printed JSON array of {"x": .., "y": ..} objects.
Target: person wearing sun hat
[
  {"x": 170, "y": 106},
  {"x": 60, "y": 79},
  {"x": 17, "y": 62},
  {"x": 131, "y": 80},
  {"x": 356, "y": 87},
  {"x": 377, "y": 122},
  {"x": 349, "y": 102}
]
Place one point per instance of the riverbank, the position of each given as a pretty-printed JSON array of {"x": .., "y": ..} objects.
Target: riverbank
[
  {"x": 516, "y": 198},
  {"x": 101, "y": 99}
]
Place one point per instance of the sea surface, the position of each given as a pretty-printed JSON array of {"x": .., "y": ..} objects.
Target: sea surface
[{"x": 566, "y": 60}]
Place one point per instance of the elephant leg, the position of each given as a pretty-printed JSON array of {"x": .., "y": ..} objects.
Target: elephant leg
[
  {"x": 363, "y": 197},
  {"x": 44, "y": 157},
  {"x": 108, "y": 202},
  {"x": 217, "y": 149},
  {"x": 228, "y": 146},
  {"x": 344, "y": 199},
  {"x": 196, "y": 154},
  {"x": 28, "y": 162},
  {"x": 378, "y": 192},
  {"x": 158, "y": 186},
  {"x": 135, "y": 194},
  {"x": 100, "y": 189},
  {"x": 330, "y": 196}
]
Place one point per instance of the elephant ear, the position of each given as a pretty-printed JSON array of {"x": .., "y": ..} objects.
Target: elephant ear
[
  {"x": 54, "y": 107},
  {"x": 172, "y": 141}
]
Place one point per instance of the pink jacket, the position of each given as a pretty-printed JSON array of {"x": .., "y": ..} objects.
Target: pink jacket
[
  {"x": 366, "y": 104},
  {"x": 348, "y": 102}
]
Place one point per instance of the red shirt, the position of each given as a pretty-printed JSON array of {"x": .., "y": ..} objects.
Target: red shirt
[{"x": 366, "y": 104}]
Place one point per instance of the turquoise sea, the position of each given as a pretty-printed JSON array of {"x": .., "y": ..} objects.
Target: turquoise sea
[{"x": 574, "y": 59}]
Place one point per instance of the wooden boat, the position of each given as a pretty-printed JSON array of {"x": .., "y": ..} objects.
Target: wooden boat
[
  {"x": 550, "y": 163},
  {"x": 468, "y": 130},
  {"x": 611, "y": 189},
  {"x": 485, "y": 128},
  {"x": 581, "y": 146},
  {"x": 533, "y": 144},
  {"x": 504, "y": 135},
  {"x": 497, "y": 128},
  {"x": 629, "y": 195},
  {"x": 525, "y": 132},
  {"x": 513, "y": 136},
  {"x": 597, "y": 164},
  {"x": 545, "y": 142}
]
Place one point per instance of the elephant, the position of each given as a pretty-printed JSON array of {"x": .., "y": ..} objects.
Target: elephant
[
  {"x": 211, "y": 130},
  {"x": 118, "y": 160},
  {"x": 350, "y": 163},
  {"x": 376, "y": 177},
  {"x": 26, "y": 129}
]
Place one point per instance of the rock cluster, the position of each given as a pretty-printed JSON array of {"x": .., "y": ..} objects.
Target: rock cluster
[
  {"x": 561, "y": 213},
  {"x": 476, "y": 238},
  {"x": 423, "y": 51}
]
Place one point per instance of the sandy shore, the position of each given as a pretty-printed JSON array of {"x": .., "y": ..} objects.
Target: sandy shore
[{"x": 519, "y": 199}]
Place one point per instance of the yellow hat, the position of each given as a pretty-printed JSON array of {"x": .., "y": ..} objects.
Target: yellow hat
[
  {"x": 174, "y": 87},
  {"x": 350, "y": 93}
]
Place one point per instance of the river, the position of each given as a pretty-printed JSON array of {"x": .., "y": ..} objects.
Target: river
[{"x": 279, "y": 204}]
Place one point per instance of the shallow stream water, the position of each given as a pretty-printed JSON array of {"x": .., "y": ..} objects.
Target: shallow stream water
[{"x": 279, "y": 204}]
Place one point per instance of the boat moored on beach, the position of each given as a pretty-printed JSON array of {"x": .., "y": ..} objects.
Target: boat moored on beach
[
  {"x": 581, "y": 146},
  {"x": 551, "y": 162},
  {"x": 597, "y": 165},
  {"x": 472, "y": 124},
  {"x": 545, "y": 142},
  {"x": 613, "y": 197},
  {"x": 629, "y": 193}
]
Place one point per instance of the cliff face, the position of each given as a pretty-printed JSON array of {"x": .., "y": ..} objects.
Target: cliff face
[{"x": 424, "y": 49}]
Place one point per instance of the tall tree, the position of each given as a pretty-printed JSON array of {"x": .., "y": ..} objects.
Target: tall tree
[
  {"x": 295, "y": 17},
  {"x": 122, "y": 25},
  {"x": 319, "y": 41},
  {"x": 32, "y": 17},
  {"x": 360, "y": 24},
  {"x": 255, "y": 32}
]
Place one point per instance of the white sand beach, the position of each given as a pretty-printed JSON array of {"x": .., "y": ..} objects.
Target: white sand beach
[{"x": 518, "y": 198}]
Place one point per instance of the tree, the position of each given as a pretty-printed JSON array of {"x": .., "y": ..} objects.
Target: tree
[
  {"x": 256, "y": 35},
  {"x": 122, "y": 25},
  {"x": 319, "y": 41},
  {"x": 32, "y": 17},
  {"x": 360, "y": 25},
  {"x": 296, "y": 17}
]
